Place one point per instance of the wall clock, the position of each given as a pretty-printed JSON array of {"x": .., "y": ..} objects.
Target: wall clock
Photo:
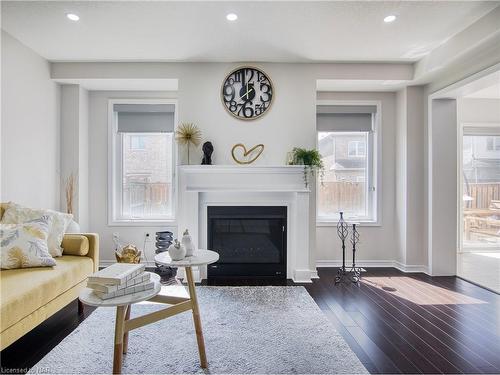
[{"x": 247, "y": 93}]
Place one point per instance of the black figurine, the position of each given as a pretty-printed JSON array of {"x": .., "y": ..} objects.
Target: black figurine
[{"x": 208, "y": 149}]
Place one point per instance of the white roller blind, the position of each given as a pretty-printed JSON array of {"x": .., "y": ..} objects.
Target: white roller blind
[
  {"x": 145, "y": 118},
  {"x": 482, "y": 130},
  {"x": 345, "y": 118}
]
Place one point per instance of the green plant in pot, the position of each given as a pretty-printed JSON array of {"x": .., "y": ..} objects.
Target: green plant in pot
[{"x": 311, "y": 160}]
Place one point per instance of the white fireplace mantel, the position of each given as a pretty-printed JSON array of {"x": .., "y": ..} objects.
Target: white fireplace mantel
[{"x": 201, "y": 186}]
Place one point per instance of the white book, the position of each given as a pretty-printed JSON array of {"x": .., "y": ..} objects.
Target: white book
[
  {"x": 122, "y": 292},
  {"x": 142, "y": 278},
  {"x": 116, "y": 274}
]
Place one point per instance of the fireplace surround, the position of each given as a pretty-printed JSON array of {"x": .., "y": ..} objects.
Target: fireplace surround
[{"x": 203, "y": 186}]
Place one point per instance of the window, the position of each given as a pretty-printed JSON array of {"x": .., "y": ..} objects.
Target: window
[
  {"x": 137, "y": 142},
  {"x": 346, "y": 137},
  {"x": 493, "y": 143},
  {"x": 141, "y": 189},
  {"x": 356, "y": 149}
]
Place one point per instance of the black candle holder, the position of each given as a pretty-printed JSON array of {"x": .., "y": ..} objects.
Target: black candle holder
[
  {"x": 352, "y": 274},
  {"x": 343, "y": 233},
  {"x": 355, "y": 272}
]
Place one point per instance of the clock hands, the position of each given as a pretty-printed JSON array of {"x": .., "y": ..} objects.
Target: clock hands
[{"x": 247, "y": 93}]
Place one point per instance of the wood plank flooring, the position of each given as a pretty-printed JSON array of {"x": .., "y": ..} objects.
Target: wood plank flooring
[
  {"x": 413, "y": 323},
  {"x": 394, "y": 322}
]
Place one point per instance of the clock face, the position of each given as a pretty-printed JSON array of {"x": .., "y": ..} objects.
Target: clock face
[{"x": 247, "y": 93}]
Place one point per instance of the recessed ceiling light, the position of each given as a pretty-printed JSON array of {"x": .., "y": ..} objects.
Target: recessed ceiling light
[
  {"x": 390, "y": 18},
  {"x": 72, "y": 16},
  {"x": 232, "y": 17}
]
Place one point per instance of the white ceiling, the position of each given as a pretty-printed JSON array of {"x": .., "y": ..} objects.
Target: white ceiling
[{"x": 265, "y": 31}]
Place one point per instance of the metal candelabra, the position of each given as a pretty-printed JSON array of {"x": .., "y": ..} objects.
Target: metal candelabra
[
  {"x": 355, "y": 271},
  {"x": 343, "y": 233}
]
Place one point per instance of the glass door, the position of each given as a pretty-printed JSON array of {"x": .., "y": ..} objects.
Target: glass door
[
  {"x": 480, "y": 174},
  {"x": 478, "y": 258}
]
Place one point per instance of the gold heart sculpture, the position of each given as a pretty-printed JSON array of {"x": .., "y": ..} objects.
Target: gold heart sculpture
[{"x": 246, "y": 153}]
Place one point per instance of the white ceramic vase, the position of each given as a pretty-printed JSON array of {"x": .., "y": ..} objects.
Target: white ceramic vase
[
  {"x": 177, "y": 251},
  {"x": 187, "y": 242}
]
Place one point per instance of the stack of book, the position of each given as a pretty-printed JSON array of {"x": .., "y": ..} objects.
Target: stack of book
[{"x": 120, "y": 279}]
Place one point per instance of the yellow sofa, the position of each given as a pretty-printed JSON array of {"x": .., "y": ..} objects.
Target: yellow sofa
[{"x": 31, "y": 295}]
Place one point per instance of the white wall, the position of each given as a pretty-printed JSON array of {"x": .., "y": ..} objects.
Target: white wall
[
  {"x": 415, "y": 167},
  {"x": 410, "y": 179},
  {"x": 478, "y": 110},
  {"x": 401, "y": 173},
  {"x": 378, "y": 243},
  {"x": 83, "y": 153},
  {"x": 290, "y": 122},
  {"x": 75, "y": 149},
  {"x": 30, "y": 128},
  {"x": 443, "y": 203}
]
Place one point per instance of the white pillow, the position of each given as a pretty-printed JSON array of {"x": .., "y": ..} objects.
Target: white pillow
[
  {"x": 73, "y": 227},
  {"x": 17, "y": 214},
  {"x": 25, "y": 245}
]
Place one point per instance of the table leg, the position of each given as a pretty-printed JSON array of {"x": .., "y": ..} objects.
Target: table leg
[
  {"x": 196, "y": 318},
  {"x": 125, "y": 336},
  {"x": 117, "y": 358}
]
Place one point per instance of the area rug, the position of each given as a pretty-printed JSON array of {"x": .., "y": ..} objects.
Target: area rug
[{"x": 248, "y": 330}]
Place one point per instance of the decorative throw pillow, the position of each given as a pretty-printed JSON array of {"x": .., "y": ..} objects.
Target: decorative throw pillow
[
  {"x": 25, "y": 245},
  {"x": 16, "y": 214}
]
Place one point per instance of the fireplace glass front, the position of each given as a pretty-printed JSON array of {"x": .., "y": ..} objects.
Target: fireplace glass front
[{"x": 250, "y": 240}]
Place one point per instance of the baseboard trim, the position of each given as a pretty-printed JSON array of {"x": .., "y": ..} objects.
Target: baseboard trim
[
  {"x": 360, "y": 263},
  {"x": 407, "y": 268},
  {"x": 411, "y": 268}
]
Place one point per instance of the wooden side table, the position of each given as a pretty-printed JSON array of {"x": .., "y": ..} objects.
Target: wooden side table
[
  {"x": 200, "y": 258},
  {"x": 175, "y": 296}
]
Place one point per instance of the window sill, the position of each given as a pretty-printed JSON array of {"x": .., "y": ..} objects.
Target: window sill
[
  {"x": 360, "y": 223},
  {"x": 143, "y": 223}
]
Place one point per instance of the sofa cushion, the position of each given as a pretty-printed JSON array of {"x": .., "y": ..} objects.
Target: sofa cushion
[
  {"x": 75, "y": 244},
  {"x": 15, "y": 213},
  {"x": 25, "y": 290},
  {"x": 25, "y": 245}
]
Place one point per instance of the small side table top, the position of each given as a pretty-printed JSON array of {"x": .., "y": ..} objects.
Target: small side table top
[
  {"x": 200, "y": 257},
  {"x": 88, "y": 297}
]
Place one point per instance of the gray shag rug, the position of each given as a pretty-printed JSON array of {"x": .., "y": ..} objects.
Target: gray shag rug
[{"x": 248, "y": 330}]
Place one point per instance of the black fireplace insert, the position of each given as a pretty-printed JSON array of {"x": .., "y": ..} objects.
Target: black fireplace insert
[{"x": 250, "y": 240}]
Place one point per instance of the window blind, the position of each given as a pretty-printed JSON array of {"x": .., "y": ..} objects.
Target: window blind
[
  {"x": 145, "y": 118},
  {"x": 482, "y": 130},
  {"x": 345, "y": 118}
]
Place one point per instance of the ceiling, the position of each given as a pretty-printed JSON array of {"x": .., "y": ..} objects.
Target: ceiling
[{"x": 299, "y": 31}]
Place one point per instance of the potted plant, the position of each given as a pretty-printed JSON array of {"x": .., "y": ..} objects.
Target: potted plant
[{"x": 311, "y": 160}]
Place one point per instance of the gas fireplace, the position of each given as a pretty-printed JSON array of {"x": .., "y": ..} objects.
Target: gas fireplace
[{"x": 251, "y": 241}]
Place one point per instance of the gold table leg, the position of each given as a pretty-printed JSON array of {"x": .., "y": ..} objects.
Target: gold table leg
[
  {"x": 125, "y": 335},
  {"x": 119, "y": 325},
  {"x": 196, "y": 318}
]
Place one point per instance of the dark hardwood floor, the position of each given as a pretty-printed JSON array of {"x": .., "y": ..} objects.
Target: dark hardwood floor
[{"x": 394, "y": 322}]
